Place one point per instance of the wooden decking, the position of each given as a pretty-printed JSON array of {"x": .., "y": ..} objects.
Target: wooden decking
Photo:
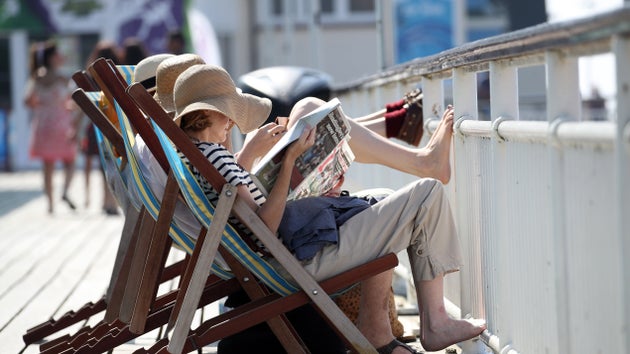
[{"x": 51, "y": 264}]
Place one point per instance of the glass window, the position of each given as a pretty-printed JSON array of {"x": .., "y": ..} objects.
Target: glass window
[
  {"x": 361, "y": 5},
  {"x": 276, "y": 7},
  {"x": 326, "y": 6}
]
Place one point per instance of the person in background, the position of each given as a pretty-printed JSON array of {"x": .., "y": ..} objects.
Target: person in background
[
  {"x": 54, "y": 125},
  {"x": 107, "y": 50},
  {"x": 176, "y": 43},
  {"x": 133, "y": 51}
]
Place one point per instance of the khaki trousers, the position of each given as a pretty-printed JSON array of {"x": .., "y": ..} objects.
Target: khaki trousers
[{"x": 417, "y": 218}]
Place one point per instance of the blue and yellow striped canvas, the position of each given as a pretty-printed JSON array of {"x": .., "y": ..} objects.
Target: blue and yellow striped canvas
[
  {"x": 115, "y": 173},
  {"x": 127, "y": 72},
  {"x": 204, "y": 211},
  {"x": 138, "y": 187}
]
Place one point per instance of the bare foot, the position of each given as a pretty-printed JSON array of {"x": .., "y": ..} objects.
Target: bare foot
[
  {"x": 437, "y": 336},
  {"x": 434, "y": 158},
  {"x": 435, "y": 133}
]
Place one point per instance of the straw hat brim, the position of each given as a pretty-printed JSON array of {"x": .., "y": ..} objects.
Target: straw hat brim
[
  {"x": 247, "y": 111},
  {"x": 209, "y": 87}
]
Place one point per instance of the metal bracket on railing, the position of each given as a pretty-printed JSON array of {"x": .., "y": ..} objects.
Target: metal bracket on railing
[
  {"x": 495, "y": 129},
  {"x": 458, "y": 123},
  {"x": 427, "y": 124},
  {"x": 552, "y": 133},
  {"x": 493, "y": 342}
]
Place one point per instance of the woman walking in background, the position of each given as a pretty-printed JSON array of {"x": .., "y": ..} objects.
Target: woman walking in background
[{"x": 53, "y": 125}]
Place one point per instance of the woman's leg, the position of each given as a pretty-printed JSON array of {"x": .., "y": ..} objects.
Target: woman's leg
[
  {"x": 110, "y": 206},
  {"x": 429, "y": 161},
  {"x": 378, "y": 115},
  {"x": 68, "y": 166},
  {"x": 438, "y": 330},
  {"x": 87, "y": 171},
  {"x": 436, "y": 254},
  {"x": 373, "y": 320},
  {"x": 370, "y": 147},
  {"x": 48, "y": 168}
]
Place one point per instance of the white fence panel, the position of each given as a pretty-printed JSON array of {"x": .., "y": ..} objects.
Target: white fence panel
[{"x": 542, "y": 207}]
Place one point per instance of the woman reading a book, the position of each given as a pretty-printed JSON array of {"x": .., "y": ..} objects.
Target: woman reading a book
[{"x": 416, "y": 218}]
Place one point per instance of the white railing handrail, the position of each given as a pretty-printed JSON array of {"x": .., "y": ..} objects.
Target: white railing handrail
[{"x": 543, "y": 206}]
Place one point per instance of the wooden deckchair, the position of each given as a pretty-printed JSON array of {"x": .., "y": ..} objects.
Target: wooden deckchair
[
  {"x": 210, "y": 293},
  {"x": 286, "y": 296},
  {"x": 108, "y": 140},
  {"x": 127, "y": 250},
  {"x": 105, "y": 336},
  {"x": 108, "y": 77}
]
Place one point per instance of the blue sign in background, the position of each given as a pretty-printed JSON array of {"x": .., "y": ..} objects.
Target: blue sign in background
[{"x": 423, "y": 27}]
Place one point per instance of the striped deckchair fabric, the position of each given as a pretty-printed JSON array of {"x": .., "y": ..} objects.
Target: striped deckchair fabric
[
  {"x": 116, "y": 171},
  {"x": 141, "y": 188},
  {"x": 127, "y": 72},
  {"x": 281, "y": 295},
  {"x": 300, "y": 284},
  {"x": 204, "y": 211}
]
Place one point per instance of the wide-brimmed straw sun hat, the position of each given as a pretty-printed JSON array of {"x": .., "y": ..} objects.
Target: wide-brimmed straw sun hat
[
  {"x": 210, "y": 87},
  {"x": 167, "y": 73},
  {"x": 146, "y": 69}
]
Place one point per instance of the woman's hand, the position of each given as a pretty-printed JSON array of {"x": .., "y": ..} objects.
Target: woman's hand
[
  {"x": 271, "y": 212},
  {"x": 258, "y": 143},
  {"x": 306, "y": 140},
  {"x": 262, "y": 139}
]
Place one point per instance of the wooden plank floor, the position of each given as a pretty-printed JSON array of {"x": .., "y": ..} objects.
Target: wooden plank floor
[{"x": 51, "y": 264}]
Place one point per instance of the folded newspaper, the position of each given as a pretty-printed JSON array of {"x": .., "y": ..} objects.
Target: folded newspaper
[{"x": 318, "y": 169}]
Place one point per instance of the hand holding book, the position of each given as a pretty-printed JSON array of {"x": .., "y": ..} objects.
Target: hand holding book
[{"x": 318, "y": 168}]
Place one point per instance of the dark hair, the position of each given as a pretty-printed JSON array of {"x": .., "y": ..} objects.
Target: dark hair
[
  {"x": 176, "y": 42},
  {"x": 133, "y": 51},
  {"x": 107, "y": 50},
  {"x": 41, "y": 56},
  {"x": 195, "y": 121}
]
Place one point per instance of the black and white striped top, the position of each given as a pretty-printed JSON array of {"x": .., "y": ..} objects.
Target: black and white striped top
[{"x": 226, "y": 164}]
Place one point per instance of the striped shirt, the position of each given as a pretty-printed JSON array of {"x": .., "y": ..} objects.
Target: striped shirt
[{"x": 234, "y": 174}]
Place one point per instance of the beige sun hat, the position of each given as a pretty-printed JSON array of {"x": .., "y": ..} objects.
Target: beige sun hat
[
  {"x": 167, "y": 73},
  {"x": 210, "y": 87},
  {"x": 145, "y": 70}
]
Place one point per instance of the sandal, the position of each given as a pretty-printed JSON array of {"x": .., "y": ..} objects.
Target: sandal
[
  {"x": 69, "y": 202},
  {"x": 388, "y": 348}
]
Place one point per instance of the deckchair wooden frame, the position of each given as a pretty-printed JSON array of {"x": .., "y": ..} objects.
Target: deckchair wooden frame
[
  {"x": 111, "y": 138},
  {"x": 119, "y": 280},
  {"x": 107, "y": 78},
  {"x": 126, "y": 249},
  {"x": 248, "y": 217}
]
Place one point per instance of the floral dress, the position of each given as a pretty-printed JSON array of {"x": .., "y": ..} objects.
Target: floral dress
[{"x": 52, "y": 126}]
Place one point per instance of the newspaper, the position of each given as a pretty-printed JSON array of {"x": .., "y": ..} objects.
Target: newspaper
[{"x": 318, "y": 169}]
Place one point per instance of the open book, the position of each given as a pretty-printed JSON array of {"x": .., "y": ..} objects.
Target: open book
[{"x": 318, "y": 169}]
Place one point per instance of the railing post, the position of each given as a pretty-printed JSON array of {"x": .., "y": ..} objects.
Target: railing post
[
  {"x": 563, "y": 98},
  {"x": 433, "y": 97},
  {"x": 465, "y": 93},
  {"x": 503, "y": 106},
  {"x": 621, "y": 49},
  {"x": 471, "y": 274}
]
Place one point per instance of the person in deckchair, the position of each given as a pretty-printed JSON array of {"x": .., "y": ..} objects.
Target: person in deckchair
[
  {"x": 416, "y": 218},
  {"x": 158, "y": 73}
]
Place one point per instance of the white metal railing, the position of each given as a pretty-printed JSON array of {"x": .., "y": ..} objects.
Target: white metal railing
[{"x": 542, "y": 207}]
